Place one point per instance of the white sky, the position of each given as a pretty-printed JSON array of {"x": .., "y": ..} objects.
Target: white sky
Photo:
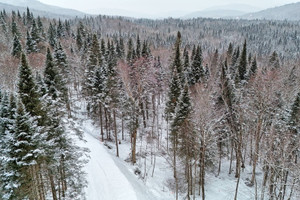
[{"x": 159, "y": 6}]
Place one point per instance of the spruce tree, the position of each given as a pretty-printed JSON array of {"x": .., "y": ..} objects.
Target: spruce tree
[
  {"x": 79, "y": 39},
  {"x": 130, "y": 51},
  {"x": 27, "y": 90},
  {"x": 17, "y": 47},
  {"x": 60, "y": 29},
  {"x": 30, "y": 44},
  {"x": 52, "y": 35},
  {"x": 14, "y": 29},
  {"x": 197, "y": 72},
  {"x": 138, "y": 47},
  {"x": 274, "y": 61},
  {"x": 35, "y": 33},
  {"x": 173, "y": 95},
  {"x": 253, "y": 67},
  {"x": 242, "y": 67},
  {"x": 23, "y": 154}
]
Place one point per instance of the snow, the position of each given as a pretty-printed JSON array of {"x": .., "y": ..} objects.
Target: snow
[
  {"x": 112, "y": 178},
  {"x": 108, "y": 178}
]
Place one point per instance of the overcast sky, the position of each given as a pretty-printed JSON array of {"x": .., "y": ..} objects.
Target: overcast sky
[{"x": 159, "y": 6}]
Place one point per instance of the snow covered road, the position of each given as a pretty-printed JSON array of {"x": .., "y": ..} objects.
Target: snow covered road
[
  {"x": 105, "y": 180},
  {"x": 108, "y": 178}
]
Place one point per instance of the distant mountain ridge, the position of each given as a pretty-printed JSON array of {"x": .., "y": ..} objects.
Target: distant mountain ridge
[
  {"x": 224, "y": 11},
  {"x": 285, "y": 12},
  {"x": 39, "y": 8}
]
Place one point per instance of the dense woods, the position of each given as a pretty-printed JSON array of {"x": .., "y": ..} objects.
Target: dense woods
[{"x": 208, "y": 95}]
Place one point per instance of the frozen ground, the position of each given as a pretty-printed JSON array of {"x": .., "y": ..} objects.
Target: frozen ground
[
  {"x": 112, "y": 178},
  {"x": 108, "y": 177}
]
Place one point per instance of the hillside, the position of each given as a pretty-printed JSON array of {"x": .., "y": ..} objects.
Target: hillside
[
  {"x": 215, "y": 14},
  {"x": 225, "y": 11},
  {"x": 39, "y": 8},
  {"x": 286, "y": 12}
]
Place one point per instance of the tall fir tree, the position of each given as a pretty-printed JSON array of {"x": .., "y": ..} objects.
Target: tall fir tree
[
  {"x": 17, "y": 47},
  {"x": 197, "y": 71},
  {"x": 242, "y": 67}
]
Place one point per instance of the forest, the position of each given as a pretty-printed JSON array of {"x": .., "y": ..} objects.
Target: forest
[{"x": 207, "y": 96}]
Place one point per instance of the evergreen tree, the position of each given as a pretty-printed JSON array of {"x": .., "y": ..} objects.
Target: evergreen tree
[
  {"x": 197, "y": 72},
  {"x": 17, "y": 47},
  {"x": 79, "y": 39},
  {"x": 274, "y": 61},
  {"x": 29, "y": 17},
  {"x": 173, "y": 95},
  {"x": 52, "y": 35},
  {"x": 177, "y": 63},
  {"x": 229, "y": 51},
  {"x": 138, "y": 47},
  {"x": 93, "y": 62},
  {"x": 35, "y": 33},
  {"x": 235, "y": 56},
  {"x": 186, "y": 65},
  {"x": 40, "y": 28},
  {"x": 145, "y": 49},
  {"x": 23, "y": 155},
  {"x": 30, "y": 44},
  {"x": 130, "y": 51},
  {"x": 27, "y": 90},
  {"x": 242, "y": 67},
  {"x": 60, "y": 29},
  {"x": 253, "y": 67},
  {"x": 60, "y": 60},
  {"x": 14, "y": 29},
  {"x": 121, "y": 48}
]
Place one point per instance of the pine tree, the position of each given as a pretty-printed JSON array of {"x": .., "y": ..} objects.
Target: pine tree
[
  {"x": 52, "y": 35},
  {"x": 253, "y": 67},
  {"x": 27, "y": 90},
  {"x": 145, "y": 49},
  {"x": 40, "y": 28},
  {"x": 197, "y": 72},
  {"x": 93, "y": 62},
  {"x": 29, "y": 17},
  {"x": 173, "y": 95},
  {"x": 17, "y": 47},
  {"x": 23, "y": 152},
  {"x": 177, "y": 63},
  {"x": 186, "y": 65},
  {"x": 14, "y": 29},
  {"x": 79, "y": 39},
  {"x": 35, "y": 33},
  {"x": 242, "y": 67},
  {"x": 235, "y": 56},
  {"x": 130, "y": 51},
  {"x": 60, "y": 29},
  {"x": 30, "y": 44},
  {"x": 138, "y": 47},
  {"x": 274, "y": 61}
]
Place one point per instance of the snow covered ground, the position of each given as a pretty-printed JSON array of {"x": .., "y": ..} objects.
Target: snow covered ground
[
  {"x": 108, "y": 177},
  {"x": 112, "y": 178}
]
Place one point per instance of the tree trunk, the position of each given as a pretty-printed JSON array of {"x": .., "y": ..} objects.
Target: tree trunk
[
  {"x": 106, "y": 123},
  {"x": 52, "y": 184},
  {"x": 256, "y": 152},
  {"x": 175, "y": 168},
  {"x": 116, "y": 133},
  {"x": 101, "y": 123},
  {"x": 134, "y": 136}
]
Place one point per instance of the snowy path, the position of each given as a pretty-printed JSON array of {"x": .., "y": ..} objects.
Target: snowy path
[
  {"x": 108, "y": 178},
  {"x": 105, "y": 180}
]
